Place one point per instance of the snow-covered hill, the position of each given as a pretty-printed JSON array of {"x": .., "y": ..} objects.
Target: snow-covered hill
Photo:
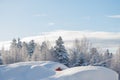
[
  {"x": 46, "y": 70},
  {"x": 108, "y": 40}
]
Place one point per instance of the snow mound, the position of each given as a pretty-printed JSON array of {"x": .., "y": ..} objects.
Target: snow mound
[
  {"x": 29, "y": 70},
  {"x": 45, "y": 70},
  {"x": 86, "y": 73}
]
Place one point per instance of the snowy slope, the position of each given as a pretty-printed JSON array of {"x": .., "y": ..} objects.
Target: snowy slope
[
  {"x": 29, "y": 70},
  {"x": 86, "y": 73},
  {"x": 45, "y": 70}
]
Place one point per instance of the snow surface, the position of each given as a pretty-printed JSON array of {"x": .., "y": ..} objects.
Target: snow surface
[{"x": 45, "y": 70}]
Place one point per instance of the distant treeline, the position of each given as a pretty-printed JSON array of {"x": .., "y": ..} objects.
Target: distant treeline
[{"x": 82, "y": 53}]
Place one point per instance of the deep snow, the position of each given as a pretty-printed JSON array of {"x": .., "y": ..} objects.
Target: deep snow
[{"x": 45, "y": 70}]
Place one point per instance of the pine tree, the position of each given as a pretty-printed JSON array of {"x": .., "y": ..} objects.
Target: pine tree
[
  {"x": 24, "y": 52},
  {"x": 94, "y": 57},
  {"x": 31, "y": 47},
  {"x": 19, "y": 48},
  {"x": 107, "y": 58},
  {"x": 19, "y": 44},
  {"x": 80, "y": 60},
  {"x": 60, "y": 52}
]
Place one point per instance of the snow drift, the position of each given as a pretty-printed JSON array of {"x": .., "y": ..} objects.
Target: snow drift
[
  {"x": 45, "y": 70},
  {"x": 86, "y": 73},
  {"x": 29, "y": 70}
]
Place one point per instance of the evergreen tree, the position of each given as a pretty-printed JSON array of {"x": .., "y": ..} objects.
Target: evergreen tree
[
  {"x": 94, "y": 57},
  {"x": 24, "y": 52},
  {"x": 60, "y": 52},
  {"x": 19, "y": 48},
  {"x": 107, "y": 58},
  {"x": 19, "y": 44},
  {"x": 31, "y": 47},
  {"x": 81, "y": 60}
]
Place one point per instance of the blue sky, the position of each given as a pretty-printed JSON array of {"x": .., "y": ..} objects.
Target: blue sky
[{"x": 21, "y": 18}]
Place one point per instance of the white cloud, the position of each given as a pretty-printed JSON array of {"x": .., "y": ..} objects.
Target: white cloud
[
  {"x": 51, "y": 23},
  {"x": 40, "y": 15},
  {"x": 110, "y": 40},
  {"x": 114, "y": 16}
]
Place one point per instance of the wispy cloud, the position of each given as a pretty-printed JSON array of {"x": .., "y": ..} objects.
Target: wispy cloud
[
  {"x": 40, "y": 15},
  {"x": 51, "y": 23},
  {"x": 114, "y": 16}
]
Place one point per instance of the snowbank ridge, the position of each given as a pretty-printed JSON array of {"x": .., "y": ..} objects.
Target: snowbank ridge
[{"x": 45, "y": 70}]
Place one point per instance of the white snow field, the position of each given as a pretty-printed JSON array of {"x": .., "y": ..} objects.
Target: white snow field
[{"x": 46, "y": 70}]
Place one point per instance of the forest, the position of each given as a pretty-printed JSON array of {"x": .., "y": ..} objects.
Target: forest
[{"x": 82, "y": 53}]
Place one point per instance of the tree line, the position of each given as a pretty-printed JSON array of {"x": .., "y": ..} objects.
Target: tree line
[{"x": 82, "y": 53}]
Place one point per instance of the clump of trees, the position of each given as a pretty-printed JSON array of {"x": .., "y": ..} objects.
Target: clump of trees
[{"x": 82, "y": 53}]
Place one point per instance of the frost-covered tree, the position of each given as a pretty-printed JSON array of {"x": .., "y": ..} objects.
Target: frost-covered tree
[
  {"x": 60, "y": 53},
  {"x": 94, "y": 57},
  {"x": 73, "y": 56},
  {"x": 80, "y": 52},
  {"x": 24, "y": 52},
  {"x": 13, "y": 52},
  {"x": 31, "y": 47},
  {"x": 19, "y": 51},
  {"x": 19, "y": 43},
  {"x": 5, "y": 56},
  {"x": 115, "y": 63},
  {"x": 107, "y": 56},
  {"x": 51, "y": 53},
  {"x": 45, "y": 51},
  {"x": 1, "y": 59},
  {"x": 77, "y": 55},
  {"x": 37, "y": 54}
]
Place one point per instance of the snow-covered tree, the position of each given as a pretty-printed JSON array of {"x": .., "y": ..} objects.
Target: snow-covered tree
[
  {"x": 45, "y": 51},
  {"x": 19, "y": 43},
  {"x": 24, "y": 52},
  {"x": 37, "y": 54},
  {"x": 73, "y": 56},
  {"x": 1, "y": 58},
  {"x": 107, "y": 56},
  {"x": 115, "y": 63},
  {"x": 13, "y": 54},
  {"x": 60, "y": 53},
  {"x": 94, "y": 57},
  {"x": 77, "y": 55},
  {"x": 5, "y": 56},
  {"x": 31, "y": 47},
  {"x": 19, "y": 52},
  {"x": 80, "y": 52},
  {"x": 51, "y": 53}
]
